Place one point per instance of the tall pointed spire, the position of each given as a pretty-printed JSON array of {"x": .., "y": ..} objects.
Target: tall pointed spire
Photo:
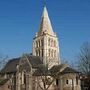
[{"x": 45, "y": 26}]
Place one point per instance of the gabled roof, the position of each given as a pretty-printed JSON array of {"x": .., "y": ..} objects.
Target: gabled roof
[
  {"x": 35, "y": 61},
  {"x": 69, "y": 70},
  {"x": 62, "y": 69},
  {"x": 42, "y": 70},
  {"x": 58, "y": 68}
]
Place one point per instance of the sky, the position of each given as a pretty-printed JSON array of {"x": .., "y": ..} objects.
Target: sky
[{"x": 20, "y": 20}]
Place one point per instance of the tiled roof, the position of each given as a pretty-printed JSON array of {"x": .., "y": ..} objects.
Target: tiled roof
[
  {"x": 41, "y": 70},
  {"x": 61, "y": 69},
  {"x": 35, "y": 61},
  {"x": 69, "y": 70}
]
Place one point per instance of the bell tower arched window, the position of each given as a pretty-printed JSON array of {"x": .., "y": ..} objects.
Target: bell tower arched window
[
  {"x": 24, "y": 78},
  {"x": 49, "y": 52},
  {"x": 49, "y": 42},
  {"x": 54, "y": 43},
  {"x": 38, "y": 52},
  {"x": 42, "y": 52},
  {"x": 52, "y": 53},
  {"x": 42, "y": 42}
]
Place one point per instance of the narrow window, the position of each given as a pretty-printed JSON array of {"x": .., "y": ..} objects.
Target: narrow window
[
  {"x": 8, "y": 86},
  {"x": 24, "y": 78},
  {"x": 66, "y": 81},
  {"x": 36, "y": 53},
  {"x": 36, "y": 44},
  {"x": 57, "y": 82},
  {"x": 49, "y": 52},
  {"x": 42, "y": 43},
  {"x": 55, "y": 53},
  {"x": 52, "y": 52},
  {"x": 39, "y": 43},
  {"x": 42, "y": 52},
  {"x": 49, "y": 42},
  {"x": 54, "y": 43},
  {"x": 76, "y": 81},
  {"x": 39, "y": 53}
]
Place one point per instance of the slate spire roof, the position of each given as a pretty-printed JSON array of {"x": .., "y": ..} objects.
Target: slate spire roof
[{"x": 45, "y": 26}]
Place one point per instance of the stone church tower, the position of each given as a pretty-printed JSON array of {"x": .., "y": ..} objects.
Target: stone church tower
[{"x": 45, "y": 43}]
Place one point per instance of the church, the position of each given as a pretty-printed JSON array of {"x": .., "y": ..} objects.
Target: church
[{"x": 41, "y": 70}]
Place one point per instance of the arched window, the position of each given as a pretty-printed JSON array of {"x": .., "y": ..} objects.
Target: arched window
[
  {"x": 36, "y": 44},
  {"x": 54, "y": 43},
  {"x": 48, "y": 41},
  {"x": 42, "y": 42},
  {"x": 36, "y": 53},
  {"x": 24, "y": 78},
  {"x": 57, "y": 82},
  {"x": 49, "y": 52},
  {"x": 39, "y": 43},
  {"x": 55, "y": 53},
  {"x": 9, "y": 87},
  {"x": 76, "y": 80},
  {"x": 42, "y": 52},
  {"x": 67, "y": 82},
  {"x": 39, "y": 53},
  {"x": 52, "y": 53}
]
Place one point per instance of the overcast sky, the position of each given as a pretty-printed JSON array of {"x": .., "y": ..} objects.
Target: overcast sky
[{"x": 20, "y": 20}]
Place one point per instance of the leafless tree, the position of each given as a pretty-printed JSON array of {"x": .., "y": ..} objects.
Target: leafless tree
[
  {"x": 84, "y": 59},
  {"x": 45, "y": 79},
  {"x": 3, "y": 61}
]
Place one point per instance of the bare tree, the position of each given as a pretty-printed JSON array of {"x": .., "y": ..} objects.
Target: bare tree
[
  {"x": 84, "y": 59},
  {"x": 3, "y": 61},
  {"x": 45, "y": 79}
]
